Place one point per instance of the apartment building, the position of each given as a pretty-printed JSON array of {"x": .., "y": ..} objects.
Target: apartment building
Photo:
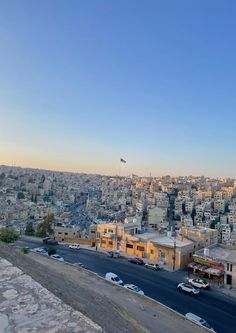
[
  {"x": 186, "y": 220},
  {"x": 189, "y": 205},
  {"x": 178, "y": 207},
  {"x": 156, "y": 217},
  {"x": 218, "y": 195},
  {"x": 224, "y": 233},
  {"x": 202, "y": 237},
  {"x": 219, "y": 205},
  {"x": 64, "y": 234},
  {"x": 111, "y": 235}
]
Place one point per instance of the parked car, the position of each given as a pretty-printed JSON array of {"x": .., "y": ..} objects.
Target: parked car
[
  {"x": 79, "y": 264},
  {"x": 199, "y": 283},
  {"x": 188, "y": 288},
  {"x": 134, "y": 288},
  {"x": 74, "y": 246},
  {"x": 136, "y": 261},
  {"x": 50, "y": 241},
  {"x": 198, "y": 320},
  {"x": 154, "y": 267},
  {"x": 57, "y": 257},
  {"x": 113, "y": 254},
  {"x": 40, "y": 250},
  {"x": 112, "y": 277}
]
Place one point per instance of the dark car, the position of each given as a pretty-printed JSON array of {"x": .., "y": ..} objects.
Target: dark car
[
  {"x": 136, "y": 261},
  {"x": 50, "y": 241}
]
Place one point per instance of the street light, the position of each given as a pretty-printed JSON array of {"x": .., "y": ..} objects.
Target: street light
[{"x": 174, "y": 256}]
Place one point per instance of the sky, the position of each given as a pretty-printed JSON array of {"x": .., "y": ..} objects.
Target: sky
[{"x": 85, "y": 82}]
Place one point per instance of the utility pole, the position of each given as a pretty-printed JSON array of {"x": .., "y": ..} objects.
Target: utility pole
[
  {"x": 116, "y": 237},
  {"x": 174, "y": 254}
]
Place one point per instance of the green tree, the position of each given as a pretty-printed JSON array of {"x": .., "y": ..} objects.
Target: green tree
[
  {"x": 29, "y": 230},
  {"x": 24, "y": 249},
  {"x": 20, "y": 195},
  {"x": 51, "y": 251},
  {"x": 45, "y": 228},
  {"x": 193, "y": 214},
  {"x": 8, "y": 235}
]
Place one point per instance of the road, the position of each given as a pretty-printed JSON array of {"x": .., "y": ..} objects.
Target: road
[{"x": 218, "y": 309}]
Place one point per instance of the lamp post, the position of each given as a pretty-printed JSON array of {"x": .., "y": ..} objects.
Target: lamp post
[{"x": 174, "y": 256}]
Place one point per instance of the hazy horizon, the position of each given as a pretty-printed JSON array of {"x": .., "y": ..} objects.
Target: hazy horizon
[{"x": 113, "y": 175}]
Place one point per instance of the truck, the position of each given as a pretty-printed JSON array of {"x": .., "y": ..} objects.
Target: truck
[{"x": 50, "y": 241}]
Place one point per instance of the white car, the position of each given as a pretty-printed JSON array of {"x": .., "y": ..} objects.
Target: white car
[
  {"x": 199, "y": 283},
  {"x": 57, "y": 257},
  {"x": 188, "y": 288},
  {"x": 74, "y": 246},
  {"x": 79, "y": 264},
  {"x": 112, "y": 277},
  {"x": 134, "y": 288},
  {"x": 198, "y": 320},
  {"x": 40, "y": 250}
]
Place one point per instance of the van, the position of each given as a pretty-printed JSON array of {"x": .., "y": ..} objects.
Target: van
[
  {"x": 198, "y": 320},
  {"x": 112, "y": 277}
]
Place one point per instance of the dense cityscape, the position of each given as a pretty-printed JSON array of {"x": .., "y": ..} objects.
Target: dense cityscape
[{"x": 143, "y": 216}]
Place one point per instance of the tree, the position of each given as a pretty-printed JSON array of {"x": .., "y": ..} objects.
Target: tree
[
  {"x": 51, "y": 251},
  {"x": 227, "y": 210},
  {"x": 20, "y": 195},
  {"x": 45, "y": 228},
  {"x": 193, "y": 214},
  {"x": 25, "y": 249},
  {"x": 29, "y": 230},
  {"x": 8, "y": 235}
]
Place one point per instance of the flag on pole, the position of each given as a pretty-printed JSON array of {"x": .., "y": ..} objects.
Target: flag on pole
[{"x": 122, "y": 160}]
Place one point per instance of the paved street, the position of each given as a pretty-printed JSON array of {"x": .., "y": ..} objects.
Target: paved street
[{"x": 219, "y": 310}]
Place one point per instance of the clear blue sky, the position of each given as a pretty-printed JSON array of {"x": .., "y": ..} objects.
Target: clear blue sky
[{"x": 83, "y": 83}]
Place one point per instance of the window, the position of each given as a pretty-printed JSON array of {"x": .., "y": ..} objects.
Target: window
[
  {"x": 130, "y": 246},
  {"x": 105, "y": 231},
  {"x": 231, "y": 266},
  {"x": 66, "y": 233},
  {"x": 227, "y": 267},
  {"x": 140, "y": 248},
  {"x": 110, "y": 230},
  {"x": 59, "y": 233},
  {"x": 151, "y": 251},
  {"x": 110, "y": 243}
]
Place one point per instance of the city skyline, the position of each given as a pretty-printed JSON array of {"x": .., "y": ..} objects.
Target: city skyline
[{"x": 85, "y": 84}]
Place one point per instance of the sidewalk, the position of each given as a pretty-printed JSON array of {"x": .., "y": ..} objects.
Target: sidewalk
[{"x": 225, "y": 290}]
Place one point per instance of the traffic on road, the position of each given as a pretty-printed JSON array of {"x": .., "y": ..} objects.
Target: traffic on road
[{"x": 169, "y": 288}]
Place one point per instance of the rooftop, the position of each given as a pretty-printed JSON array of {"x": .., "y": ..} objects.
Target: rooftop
[
  {"x": 164, "y": 240},
  {"x": 220, "y": 253}
]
